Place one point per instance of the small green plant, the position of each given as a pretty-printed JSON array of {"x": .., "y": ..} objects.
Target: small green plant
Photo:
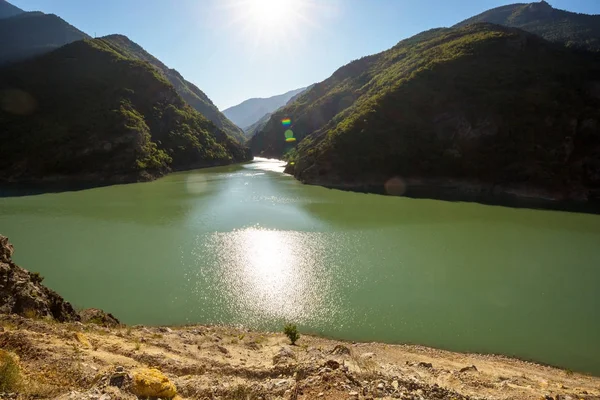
[
  {"x": 10, "y": 374},
  {"x": 291, "y": 331},
  {"x": 36, "y": 277}
]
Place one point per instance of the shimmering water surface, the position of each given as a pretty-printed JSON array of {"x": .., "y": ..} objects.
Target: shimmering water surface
[{"x": 249, "y": 245}]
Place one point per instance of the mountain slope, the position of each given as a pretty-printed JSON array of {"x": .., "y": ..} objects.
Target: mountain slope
[
  {"x": 261, "y": 123},
  {"x": 188, "y": 91},
  {"x": 250, "y": 111},
  {"x": 575, "y": 30},
  {"x": 34, "y": 33},
  {"x": 492, "y": 107},
  {"x": 8, "y": 10},
  {"x": 85, "y": 112}
]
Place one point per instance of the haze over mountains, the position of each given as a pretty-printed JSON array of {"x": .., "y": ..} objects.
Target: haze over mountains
[{"x": 250, "y": 111}]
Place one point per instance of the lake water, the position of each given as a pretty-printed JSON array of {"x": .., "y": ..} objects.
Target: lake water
[{"x": 249, "y": 245}]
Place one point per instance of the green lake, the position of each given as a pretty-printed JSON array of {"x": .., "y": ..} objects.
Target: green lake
[{"x": 249, "y": 245}]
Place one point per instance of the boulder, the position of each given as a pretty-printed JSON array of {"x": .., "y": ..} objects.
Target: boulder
[
  {"x": 98, "y": 317},
  {"x": 22, "y": 292},
  {"x": 150, "y": 382}
]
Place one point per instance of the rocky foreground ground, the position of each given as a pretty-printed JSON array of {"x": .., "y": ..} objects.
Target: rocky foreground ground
[
  {"x": 75, "y": 360},
  {"x": 48, "y": 350}
]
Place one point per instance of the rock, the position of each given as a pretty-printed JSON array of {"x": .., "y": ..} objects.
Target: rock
[
  {"x": 284, "y": 355},
  {"x": 367, "y": 355},
  {"x": 98, "y": 317},
  {"x": 425, "y": 364},
  {"x": 165, "y": 329},
  {"x": 321, "y": 394},
  {"x": 466, "y": 369},
  {"x": 332, "y": 364},
  {"x": 381, "y": 386},
  {"x": 150, "y": 382},
  {"x": 340, "y": 350},
  {"x": 395, "y": 385},
  {"x": 353, "y": 394},
  {"x": 22, "y": 292},
  {"x": 222, "y": 349}
]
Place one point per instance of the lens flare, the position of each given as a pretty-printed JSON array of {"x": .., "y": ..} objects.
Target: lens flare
[{"x": 286, "y": 122}]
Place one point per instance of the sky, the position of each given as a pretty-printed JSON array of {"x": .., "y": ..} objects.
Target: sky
[{"x": 238, "y": 49}]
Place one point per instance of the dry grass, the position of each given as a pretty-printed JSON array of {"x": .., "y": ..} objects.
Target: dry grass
[{"x": 10, "y": 372}]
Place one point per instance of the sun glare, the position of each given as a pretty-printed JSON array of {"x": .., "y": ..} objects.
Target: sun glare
[
  {"x": 269, "y": 12},
  {"x": 273, "y": 23}
]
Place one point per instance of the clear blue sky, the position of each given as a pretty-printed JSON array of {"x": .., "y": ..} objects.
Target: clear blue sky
[{"x": 236, "y": 49}]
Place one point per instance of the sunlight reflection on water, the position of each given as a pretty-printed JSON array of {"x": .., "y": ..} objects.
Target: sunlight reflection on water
[{"x": 273, "y": 274}]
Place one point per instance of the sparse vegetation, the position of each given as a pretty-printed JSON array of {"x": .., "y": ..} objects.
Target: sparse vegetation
[
  {"x": 36, "y": 277},
  {"x": 291, "y": 331},
  {"x": 10, "y": 373}
]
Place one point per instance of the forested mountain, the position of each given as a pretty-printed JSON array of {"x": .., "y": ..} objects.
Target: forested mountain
[
  {"x": 30, "y": 34},
  {"x": 8, "y": 10},
  {"x": 187, "y": 90},
  {"x": 250, "y": 111},
  {"x": 495, "y": 107},
  {"x": 575, "y": 30},
  {"x": 86, "y": 112}
]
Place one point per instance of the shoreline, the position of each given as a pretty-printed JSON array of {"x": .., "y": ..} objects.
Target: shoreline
[
  {"x": 469, "y": 192},
  {"x": 221, "y": 362}
]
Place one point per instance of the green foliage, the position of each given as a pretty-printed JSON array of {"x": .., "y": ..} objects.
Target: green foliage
[
  {"x": 36, "y": 277},
  {"x": 10, "y": 373},
  {"x": 86, "y": 110},
  {"x": 187, "y": 90},
  {"x": 573, "y": 29},
  {"x": 291, "y": 331},
  {"x": 481, "y": 103}
]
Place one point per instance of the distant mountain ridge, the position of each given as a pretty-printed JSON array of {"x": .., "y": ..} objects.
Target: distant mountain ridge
[
  {"x": 29, "y": 34},
  {"x": 187, "y": 90},
  {"x": 250, "y": 111},
  {"x": 572, "y": 29},
  {"x": 8, "y": 10}
]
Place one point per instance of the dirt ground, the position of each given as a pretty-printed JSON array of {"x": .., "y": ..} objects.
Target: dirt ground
[{"x": 86, "y": 361}]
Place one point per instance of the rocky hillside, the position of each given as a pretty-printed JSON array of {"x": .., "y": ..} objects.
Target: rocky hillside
[
  {"x": 250, "y": 111},
  {"x": 187, "y": 90},
  {"x": 86, "y": 112},
  {"x": 572, "y": 29},
  {"x": 8, "y": 10},
  {"x": 30, "y": 34},
  {"x": 481, "y": 109}
]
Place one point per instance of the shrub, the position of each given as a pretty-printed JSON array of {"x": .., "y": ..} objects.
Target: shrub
[
  {"x": 10, "y": 374},
  {"x": 291, "y": 332},
  {"x": 36, "y": 277}
]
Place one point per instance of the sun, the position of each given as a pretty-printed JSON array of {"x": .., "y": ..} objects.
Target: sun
[
  {"x": 270, "y": 12},
  {"x": 272, "y": 24}
]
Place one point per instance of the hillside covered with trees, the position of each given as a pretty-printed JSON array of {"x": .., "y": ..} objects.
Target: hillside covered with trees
[
  {"x": 86, "y": 112},
  {"x": 572, "y": 29},
  {"x": 187, "y": 90},
  {"x": 484, "y": 104}
]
